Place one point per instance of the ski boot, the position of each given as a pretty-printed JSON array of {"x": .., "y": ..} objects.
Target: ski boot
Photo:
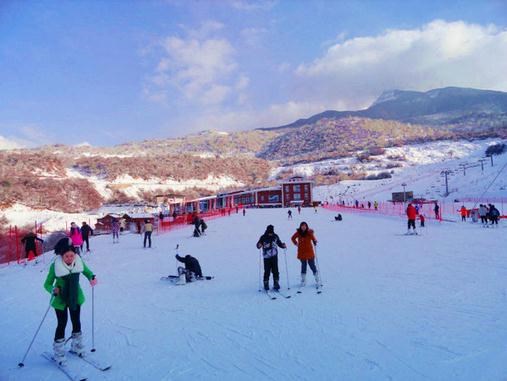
[
  {"x": 77, "y": 345},
  {"x": 317, "y": 279},
  {"x": 303, "y": 280},
  {"x": 266, "y": 285},
  {"x": 276, "y": 285},
  {"x": 59, "y": 351}
]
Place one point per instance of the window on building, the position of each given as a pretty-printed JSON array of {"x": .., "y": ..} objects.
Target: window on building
[
  {"x": 286, "y": 188},
  {"x": 297, "y": 188},
  {"x": 297, "y": 196}
]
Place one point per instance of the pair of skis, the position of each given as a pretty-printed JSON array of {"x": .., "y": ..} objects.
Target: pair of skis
[
  {"x": 318, "y": 289},
  {"x": 70, "y": 371},
  {"x": 272, "y": 294}
]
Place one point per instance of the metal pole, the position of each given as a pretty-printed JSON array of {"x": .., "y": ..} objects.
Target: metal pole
[
  {"x": 260, "y": 264},
  {"x": 93, "y": 319},
  {"x": 21, "y": 364},
  {"x": 286, "y": 268}
]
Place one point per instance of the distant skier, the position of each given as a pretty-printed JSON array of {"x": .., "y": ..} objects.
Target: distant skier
[
  {"x": 197, "y": 226},
  {"x": 463, "y": 212},
  {"x": 299, "y": 209},
  {"x": 203, "y": 225},
  {"x": 412, "y": 215},
  {"x": 86, "y": 231},
  {"x": 375, "y": 205},
  {"x": 369, "y": 204},
  {"x": 436, "y": 209},
  {"x": 304, "y": 239},
  {"x": 494, "y": 214},
  {"x": 244, "y": 212},
  {"x": 115, "y": 227},
  {"x": 422, "y": 219},
  {"x": 148, "y": 229},
  {"x": 289, "y": 214},
  {"x": 29, "y": 241},
  {"x": 268, "y": 242},
  {"x": 62, "y": 282},
  {"x": 192, "y": 270},
  {"x": 483, "y": 213},
  {"x": 338, "y": 217},
  {"x": 76, "y": 236}
]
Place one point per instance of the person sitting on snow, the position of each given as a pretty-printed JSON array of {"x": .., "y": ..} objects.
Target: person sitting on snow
[{"x": 192, "y": 270}]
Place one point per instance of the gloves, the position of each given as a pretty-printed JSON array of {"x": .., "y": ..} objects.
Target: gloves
[{"x": 93, "y": 281}]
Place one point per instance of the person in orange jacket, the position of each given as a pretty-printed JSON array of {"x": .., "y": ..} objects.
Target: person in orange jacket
[
  {"x": 463, "y": 211},
  {"x": 412, "y": 215},
  {"x": 304, "y": 239}
]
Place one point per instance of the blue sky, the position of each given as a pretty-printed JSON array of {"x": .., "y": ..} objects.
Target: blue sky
[{"x": 108, "y": 72}]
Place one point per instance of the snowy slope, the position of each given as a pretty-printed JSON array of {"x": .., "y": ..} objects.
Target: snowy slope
[
  {"x": 422, "y": 174},
  {"x": 429, "y": 307}
]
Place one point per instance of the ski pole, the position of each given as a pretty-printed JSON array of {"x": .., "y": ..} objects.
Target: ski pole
[
  {"x": 22, "y": 363},
  {"x": 286, "y": 267},
  {"x": 260, "y": 256},
  {"x": 318, "y": 267},
  {"x": 93, "y": 319}
]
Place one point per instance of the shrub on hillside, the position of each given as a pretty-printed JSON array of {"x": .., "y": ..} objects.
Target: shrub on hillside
[
  {"x": 496, "y": 149},
  {"x": 379, "y": 176}
]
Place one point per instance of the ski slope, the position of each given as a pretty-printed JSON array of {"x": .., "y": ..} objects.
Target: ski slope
[{"x": 394, "y": 307}]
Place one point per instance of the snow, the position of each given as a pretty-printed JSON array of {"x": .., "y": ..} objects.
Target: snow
[
  {"x": 423, "y": 175},
  {"x": 394, "y": 307},
  {"x": 8, "y": 144},
  {"x": 22, "y": 215}
]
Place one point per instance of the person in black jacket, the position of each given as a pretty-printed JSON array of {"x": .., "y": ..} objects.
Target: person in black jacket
[
  {"x": 268, "y": 242},
  {"x": 29, "y": 241},
  {"x": 86, "y": 232},
  {"x": 192, "y": 268}
]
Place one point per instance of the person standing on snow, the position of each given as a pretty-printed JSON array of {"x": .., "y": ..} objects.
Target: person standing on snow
[
  {"x": 304, "y": 239},
  {"x": 463, "y": 212},
  {"x": 289, "y": 214},
  {"x": 29, "y": 241},
  {"x": 115, "y": 227},
  {"x": 76, "y": 236},
  {"x": 62, "y": 282},
  {"x": 86, "y": 232},
  {"x": 412, "y": 215},
  {"x": 436, "y": 209},
  {"x": 268, "y": 242},
  {"x": 148, "y": 229}
]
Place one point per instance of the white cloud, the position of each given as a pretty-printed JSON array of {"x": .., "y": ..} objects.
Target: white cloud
[
  {"x": 200, "y": 67},
  {"x": 355, "y": 71},
  {"x": 253, "y": 36},
  {"x": 6, "y": 144}
]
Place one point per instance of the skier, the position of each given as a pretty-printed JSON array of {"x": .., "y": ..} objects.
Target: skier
[
  {"x": 203, "y": 225},
  {"x": 289, "y": 214},
  {"x": 244, "y": 212},
  {"x": 338, "y": 217},
  {"x": 62, "y": 282},
  {"x": 192, "y": 270},
  {"x": 299, "y": 209},
  {"x": 148, "y": 229},
  {"x": 197, "y": 223},
  {"x": 86, "y": 231},
  {"x": 29, "y": 241},
  {"x": 483, "y": 212},
  {"x": 115, "y": 227},
  {"x": 303, "y": 239},
  {"x": 436, "y": 209},
  {"x": 269, "y": 242},
  {"x": 375, "y": 205},
  {"x": 411, "y": 214},
  {"x": 369, "y": 204},
  {"x": 422, "y": 219},
  {"x": 494, "y": 214},
  {"x": 463, "y": 212},
  {"x": 75, "y": 235}
]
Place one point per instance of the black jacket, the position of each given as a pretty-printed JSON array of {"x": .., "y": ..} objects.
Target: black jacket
[
  {"x": 86, "y": 231},
  {"x": 29, "y": 241},
  {"x": 191, "y": 264},
  {"x": 269, "y": 242}
]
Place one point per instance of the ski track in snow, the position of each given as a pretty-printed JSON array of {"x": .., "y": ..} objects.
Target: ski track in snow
[{"x": 431, "y": 307}]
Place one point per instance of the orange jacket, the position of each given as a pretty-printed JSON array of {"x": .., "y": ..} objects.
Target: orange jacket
[
  {"x": 304, "y": 244},
  {"x": 463, "y": 211}
]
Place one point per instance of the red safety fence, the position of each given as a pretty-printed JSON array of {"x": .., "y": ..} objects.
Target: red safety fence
[
  {"x": 448, "y": 210},
  {"x": 12, "y": 249},
  {"x": 170, "y": 223}
]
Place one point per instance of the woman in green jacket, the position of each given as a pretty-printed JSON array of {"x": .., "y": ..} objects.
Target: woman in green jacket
[{"x": 63, "y": 283}]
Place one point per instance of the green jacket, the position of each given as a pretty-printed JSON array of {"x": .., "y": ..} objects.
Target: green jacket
[{"x": 52, "y": 281}]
